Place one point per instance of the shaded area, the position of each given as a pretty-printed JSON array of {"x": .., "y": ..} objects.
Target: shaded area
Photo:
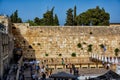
[
  {"x": 63, "y": 75},
  {"x": 2, "y": 27},
  {"x": 22, "y": 48},
  {"x": 107, "y": 76}
]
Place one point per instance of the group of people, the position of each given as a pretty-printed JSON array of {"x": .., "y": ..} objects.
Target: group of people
[
  {"x": 38, "y": 71},
  {"x": 72, "y": 68},
  {"x": 106, "y": 65}
]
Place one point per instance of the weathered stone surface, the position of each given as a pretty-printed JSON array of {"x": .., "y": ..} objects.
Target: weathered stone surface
[
  {"x": 6, "y": 45},
  {"x": 63, "y": 40}
]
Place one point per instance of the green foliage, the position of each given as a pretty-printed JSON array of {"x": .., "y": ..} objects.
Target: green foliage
[
  {"x": 37, "y": 21},
  {"x": 56, "y": 22},
  {"x": 31, "y": 23},
  {"x": 46, "y": 54},
  {"x": 101, "y": 46},
  {"x": 116, "y": 51},
  {"x": 75, "y": 22},
  {"x": 84, "y": 43},
  {"x": 91, "y": 33},
  {"x": 69, "y": 20},
  {"x": 95, "y": 16},
  {"x": 14, "y": 17},
  {"x": 90, "y": 48},
  {"x": 38, "y": 44},
  {"x": 73, "y": 54},
  {"x": 59, "y": 54},
  {"x": 47, "y": 20},
  {"x": 79, "y": 45}
]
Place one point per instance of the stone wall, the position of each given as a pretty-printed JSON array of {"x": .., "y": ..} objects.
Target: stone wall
[
  {"x": 64, "y": 40},
  {"x": 6, "y": 45}
]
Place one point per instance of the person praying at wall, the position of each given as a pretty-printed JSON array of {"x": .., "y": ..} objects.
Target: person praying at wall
[
  {"x": 71, "y": 70},
  {"x": 63, "y": 61},
  {"x": 43, "y": 76},
  {"x": 108, "y": 66}
]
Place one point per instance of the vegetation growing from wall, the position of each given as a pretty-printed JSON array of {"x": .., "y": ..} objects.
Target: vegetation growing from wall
[
  {"x": 46, "y": 54},
  {"x": 73, "y": 54},
  {"x": 91, "y": 33},
  {"x": 59, "y": 54},
  {"x": 90, "y": 48},
  {"x": 101, "y": 46},
  {"x": 79, "y": 45},
  {"x": 116, "y": 51}
]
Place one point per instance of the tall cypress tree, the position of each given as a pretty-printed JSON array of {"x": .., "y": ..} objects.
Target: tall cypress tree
[
  {"x": 75, "y": 23},
  {"x": 56, "y": 21},
  {"x": 16, "y": 16},
  {"x": 69, "y": 19},
  {"x": 37, "y": 20},
  {"x": 52, "y": 18}
]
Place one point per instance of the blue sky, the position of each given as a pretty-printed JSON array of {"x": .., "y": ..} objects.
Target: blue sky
[{"x": 28, "y": 9}]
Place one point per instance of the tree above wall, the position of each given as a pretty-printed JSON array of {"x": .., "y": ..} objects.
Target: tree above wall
[
  {"x": 95, "y": 17},
  {"x": 14, "y": 17},
  {"x": 49, "y": 19}
]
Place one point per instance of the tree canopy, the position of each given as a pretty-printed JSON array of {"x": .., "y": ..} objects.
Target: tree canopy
[
  {"x": 49, "y": 19},
  {"x": 92, "y": 17},
  {"x": 14, "y": 17},
  {"x": 69, "y": 20},
  {"x": 95, "y": 16}
]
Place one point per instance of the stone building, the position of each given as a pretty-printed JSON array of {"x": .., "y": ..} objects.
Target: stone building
[{"x": 6, "y": 45}]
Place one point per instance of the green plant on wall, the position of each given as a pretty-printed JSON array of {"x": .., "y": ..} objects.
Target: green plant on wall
[
  {"x": 46, "y": 54},
  {"x": 38, "y": 44},
  {"x": 73, "y": 54},
  {"x": 84, "y": 43},
  {"x": 59, "y": 54},
  {"x": 79, "y": 45},
  {"x": 90, "y": 48},
  {"x": 101, "y": 46},
  {"x": 116, "y": 51}
]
